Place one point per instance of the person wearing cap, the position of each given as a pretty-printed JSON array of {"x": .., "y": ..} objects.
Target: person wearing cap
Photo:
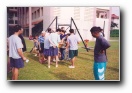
[
  {"x": 41, "y": 46},
  {"x": 100, "y": 57}
]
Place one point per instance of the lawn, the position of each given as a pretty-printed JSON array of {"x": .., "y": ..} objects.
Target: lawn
[{"x": 33, "y": 70}]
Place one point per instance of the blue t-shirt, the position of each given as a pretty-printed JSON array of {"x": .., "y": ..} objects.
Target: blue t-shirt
[
  {"x": 41, "y": 39},
  {"x": 62, "y": 36},
  {"x": 100, "y": 44}
]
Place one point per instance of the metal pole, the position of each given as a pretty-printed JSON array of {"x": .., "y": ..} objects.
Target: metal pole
[
  {"x": 68, "y": 27},
  {"x": 80, "y": 35},
  {"x": 56, "y": 22},
  {"x": 103, "y": 29},
  {"x": 71, "y": 24},
  {"x": 51, "y": 24}
]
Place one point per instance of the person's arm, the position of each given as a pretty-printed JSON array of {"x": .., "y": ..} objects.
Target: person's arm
[
  {"x": 51, "y": 42},
  {"x": 68, "y": 44},
  {"x": 78, "y": 42},
  {"x": 21, "y": 53},
  {"x": 19, "y": 49},
  {"x": 105, "y": 45}
]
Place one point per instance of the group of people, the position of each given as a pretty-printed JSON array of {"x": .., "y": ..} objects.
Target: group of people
[{"x": 54, "y": 45}]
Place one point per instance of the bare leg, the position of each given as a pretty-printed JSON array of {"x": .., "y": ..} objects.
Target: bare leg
[
  {"x": 15, "y": 74},
  {"x": 49, "y": 61},
  {"x": 72, "y": 61},
  {"x": 57, "y": 61}
]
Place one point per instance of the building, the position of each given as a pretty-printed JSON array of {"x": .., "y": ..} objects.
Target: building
[
  {"x": 12, "y": 18},
  {"x": 36, "y": 19},
  {"x": 115, "y": 20}
]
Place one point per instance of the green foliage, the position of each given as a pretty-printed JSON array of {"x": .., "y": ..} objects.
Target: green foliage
[{"x": 114, "y": 33}]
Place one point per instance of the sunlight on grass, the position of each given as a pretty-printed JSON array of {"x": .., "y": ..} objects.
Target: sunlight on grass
[{"x": 33, "y": 70}]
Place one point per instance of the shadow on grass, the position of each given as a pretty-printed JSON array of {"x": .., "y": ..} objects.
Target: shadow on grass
[
  {"x": 32, "y": 57},
  {"x": 9, "y": 76},
  {"x": 64, "y": 62},
  {"x": 111, "y": 68},
  {"x": 84, "y": 58},
  {"x": 62, "y": 76},
  {"x": 87, "y": 54}
]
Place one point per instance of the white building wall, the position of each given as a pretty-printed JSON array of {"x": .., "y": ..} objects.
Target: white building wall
[{"x": 84, "y": 21}]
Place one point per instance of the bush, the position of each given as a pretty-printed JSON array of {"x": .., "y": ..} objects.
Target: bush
[{"x": 114, "y": 33}]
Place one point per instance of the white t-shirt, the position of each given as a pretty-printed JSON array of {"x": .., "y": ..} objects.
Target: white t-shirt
[
  {"x": 55, "y": 38},
  {"x": 14, "y": 44},
  {"x": 73, "y": 42}
]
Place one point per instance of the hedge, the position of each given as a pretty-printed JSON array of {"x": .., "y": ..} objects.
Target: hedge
[{"x": 114, "y": 33}]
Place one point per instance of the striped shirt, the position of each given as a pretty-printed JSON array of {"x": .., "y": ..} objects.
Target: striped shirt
[{"x": 41, "y": 39}]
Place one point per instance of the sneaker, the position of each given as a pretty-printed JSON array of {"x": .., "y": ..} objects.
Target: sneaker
[
  {"x": 48, "y": 66},
  {"x": 35, "y": 55},
  {"x": 71, "y": 66},
  {"x": 56, "y": 66}
]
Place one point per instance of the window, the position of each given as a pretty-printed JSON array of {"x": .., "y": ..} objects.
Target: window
[
  {"x": 35, "y": 15},
  {"x": 11, "y": 22},
  {"x": 77, "y": 13},
  {"x": 38, "y": 13},
  {"x": 16, "y": 22},
  {"x": 89, "y": 14},
  {"x": 15, "y": 14},
  {"x": 42, "y": 11},
  {"x": 100, "y": 13}
]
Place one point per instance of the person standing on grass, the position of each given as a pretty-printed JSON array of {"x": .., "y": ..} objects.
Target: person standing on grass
[
  {"x": 54, "y": 40},
  {"x": 100, "y": 58},
  {"x": 41, "y": 47},
  {"x": 63, "y": 47},
  {"x": 15, "y": 52},
  {"x": 47, "y": 45},
  {"x": 72, "y": 45}
]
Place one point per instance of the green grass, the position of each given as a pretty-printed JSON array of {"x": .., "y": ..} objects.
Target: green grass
[
  {"x": 83, "y": 71},
  {"x": 114, "y": 38}
]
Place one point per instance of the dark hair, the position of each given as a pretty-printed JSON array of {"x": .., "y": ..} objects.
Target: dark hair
[
  {"x": 71, "y": 30},
  {"x": 95, "y": 29},
  {"x": 17, "y": 28},
  {"x": 49, "y": 30},
  {"x": 68, "y": 34},
  {"x": 58, "y": 30},
  {"x": 63, "y": 31}
]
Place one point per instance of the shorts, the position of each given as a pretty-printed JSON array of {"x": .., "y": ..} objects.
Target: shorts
[
  {"x": 46, "y": 52},
  {"x": 17, "y": 63},
  {"x": 99, "y": 69},
  {"x": 73, "y": 53},
  {"x": 42, "y": 48},
  {"x": 53, "y": 51}
]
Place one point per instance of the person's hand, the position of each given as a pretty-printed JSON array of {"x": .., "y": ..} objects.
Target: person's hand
[
  {"x": 102, "y": 52},
  {"x": 24, "y": 58},
  {"x": 66, "y": 50},
  {"x": 54, "y": 46}
]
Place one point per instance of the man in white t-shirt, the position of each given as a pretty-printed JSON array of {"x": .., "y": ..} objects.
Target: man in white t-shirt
[
  {"x": 72, "y": 42},
  {"x": 15, "y": 52},
  {"x": 54, "y": 40}
]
